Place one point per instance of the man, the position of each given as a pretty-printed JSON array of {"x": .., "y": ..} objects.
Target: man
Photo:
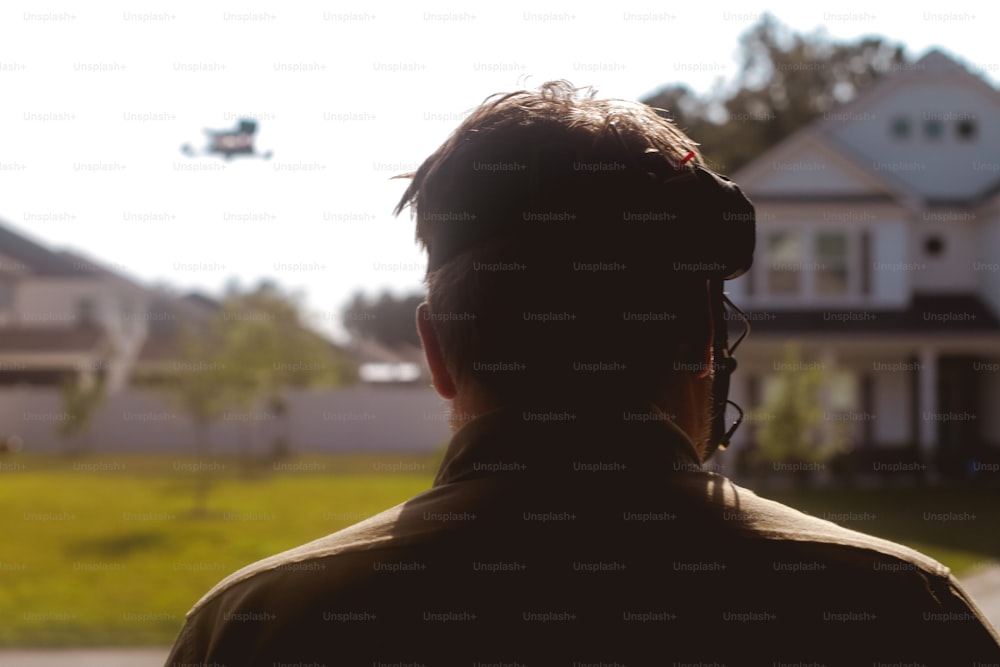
[{"x": 576, "y": 320}]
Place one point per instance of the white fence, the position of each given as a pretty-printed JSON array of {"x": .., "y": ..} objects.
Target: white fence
[{"x": 361, "y": 418}]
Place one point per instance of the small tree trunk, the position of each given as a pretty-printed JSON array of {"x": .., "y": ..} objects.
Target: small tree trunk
[{"x": 202, "y": 479}]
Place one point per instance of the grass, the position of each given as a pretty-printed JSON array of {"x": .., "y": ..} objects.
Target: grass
[
  {"x": 936, "y": 521},
  {"x": 108, "y": 551},
  {"x": 113, "y": 550}
]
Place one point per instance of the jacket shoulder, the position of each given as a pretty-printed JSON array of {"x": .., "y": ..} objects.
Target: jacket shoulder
[
  {"x": 755, "y": 517},
  {"x": 390, "y": 529}
]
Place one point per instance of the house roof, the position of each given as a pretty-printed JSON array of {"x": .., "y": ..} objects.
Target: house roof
[
  {"x": 822, "y": 130},
  {"x": 168, "y": 314},
  {"x": 935, "y": 315},
  {"x": 935, "y": 63},
  {"x": 39, "y": 260}
]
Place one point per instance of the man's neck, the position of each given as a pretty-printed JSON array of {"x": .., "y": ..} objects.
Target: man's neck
[{"x": 549, "y": 440}]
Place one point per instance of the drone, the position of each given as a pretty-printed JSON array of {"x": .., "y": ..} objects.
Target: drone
[{"x": 228, "y": 143}]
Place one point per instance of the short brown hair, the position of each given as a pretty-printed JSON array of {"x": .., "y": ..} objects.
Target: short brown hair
[{"x": 536, "y": 217}]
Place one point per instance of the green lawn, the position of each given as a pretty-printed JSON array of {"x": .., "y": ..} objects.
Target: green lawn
[
  {"x": 956, "y": 526},
  {"x": 110, "y": 550}
]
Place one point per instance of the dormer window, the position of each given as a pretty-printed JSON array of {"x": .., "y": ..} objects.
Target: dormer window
[
  {"x": 900, "y": 127},
  {"x": 966, "y": 129},
  {"x": 933, "y": 128}
]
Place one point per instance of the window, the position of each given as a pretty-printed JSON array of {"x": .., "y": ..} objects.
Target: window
[
  {"x": 900, "y": 127},
  {"x": 966, "y": 129},
  {"x": 831, "y": 263},
  {"x": 933, "y": 128},
  {"x": 784, "y": 250},
  {"x": 85, "y": 312},
  {"x": 807, "y": 263}
]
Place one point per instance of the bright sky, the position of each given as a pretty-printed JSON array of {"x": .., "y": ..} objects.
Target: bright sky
[{"x": 99, "y": 97}]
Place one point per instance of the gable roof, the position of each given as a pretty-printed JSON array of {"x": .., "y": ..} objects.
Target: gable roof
[
  {"x": 934, "y": 65},
  {"x": 36, "y": 259},
  {"x": 808, "y": 152}
]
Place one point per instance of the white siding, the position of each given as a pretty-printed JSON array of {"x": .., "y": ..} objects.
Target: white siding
[
  {"x": 809, "y": 170},
  {"x": 951, "y": 270},
  {"x": 52, "y": 302},
  {"x": 121, "y": 310},
  {"x": 891, "y": 281},
  {"x": 943, "y": 168},
  {"x": 986, "y": 263}
]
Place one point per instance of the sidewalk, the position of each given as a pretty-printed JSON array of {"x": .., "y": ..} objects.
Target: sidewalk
[
  {"x": 84, "y": 657},
  {"x": 983, "y": 586}
]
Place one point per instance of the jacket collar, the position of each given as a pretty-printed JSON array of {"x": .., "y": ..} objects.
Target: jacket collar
[{"x": 517, "y": 440}]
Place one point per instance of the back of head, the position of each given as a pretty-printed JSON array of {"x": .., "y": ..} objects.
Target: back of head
[{"x": 568, "y": 246}]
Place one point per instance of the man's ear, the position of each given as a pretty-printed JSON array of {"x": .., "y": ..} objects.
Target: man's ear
[
  {"x": 708, "y": 354},
  {"x": 443, "y": 382}
]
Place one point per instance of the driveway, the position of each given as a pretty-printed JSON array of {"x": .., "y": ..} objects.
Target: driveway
[{"x": 89, "y": 657}]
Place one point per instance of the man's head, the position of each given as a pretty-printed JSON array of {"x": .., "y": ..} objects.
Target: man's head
[{"x": 568, "y": 258}]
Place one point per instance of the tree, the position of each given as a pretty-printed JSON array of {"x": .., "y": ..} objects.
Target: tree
[
  {"x": 267, "y": 350},
  {"x": 793, "y": 432},
  {"x": 388, "y": 320},
  {"x": 201, "y": 386},
  {"x": 785, "y": 81},
  {"x": 80, "y": 402},
  {"x": 249, "y": 353},
  {"x": 203, "y": 389}
]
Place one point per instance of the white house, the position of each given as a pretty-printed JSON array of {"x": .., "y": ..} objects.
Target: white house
[
  {"x": 62, "y": 315},
  {"x": 878, "y": 251}
]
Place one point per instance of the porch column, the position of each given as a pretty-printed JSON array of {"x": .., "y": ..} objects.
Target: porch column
[{"x": 928, "y": 426}]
